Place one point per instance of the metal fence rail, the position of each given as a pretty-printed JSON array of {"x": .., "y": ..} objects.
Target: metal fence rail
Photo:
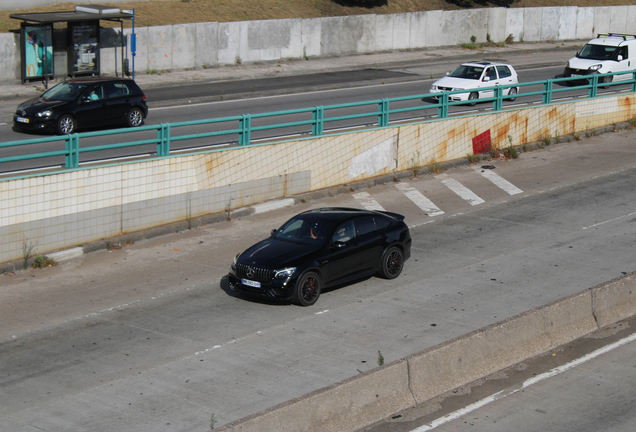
[{"x": 381, "y": 113}]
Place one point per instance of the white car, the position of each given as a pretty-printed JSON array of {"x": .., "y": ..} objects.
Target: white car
[{"x": 474, "y": 76}]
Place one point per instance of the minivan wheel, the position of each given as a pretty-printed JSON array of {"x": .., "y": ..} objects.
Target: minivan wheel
[
  {"x": 134, "y": 117},
  {"x": 66, "y": 125}
]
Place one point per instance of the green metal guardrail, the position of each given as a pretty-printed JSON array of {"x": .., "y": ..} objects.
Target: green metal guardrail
[{"x": 72, "y": 149}]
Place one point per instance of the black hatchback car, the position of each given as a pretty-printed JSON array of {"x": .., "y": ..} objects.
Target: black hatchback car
[
  {"x": 82, "y": 103},
  {"x": 321, "y": 248}
]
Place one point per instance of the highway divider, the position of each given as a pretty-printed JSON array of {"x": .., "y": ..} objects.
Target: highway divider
[{"x": 374, "y": 395}]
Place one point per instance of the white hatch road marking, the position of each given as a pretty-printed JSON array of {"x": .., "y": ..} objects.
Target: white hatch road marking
[
  {"x": 368, "y": 202},
  {"x": 499, "y": 181},
  {"x": 419, "y": 200},
  {"x": 535, "y": 379},
  {"x": 460, "y": 189}
]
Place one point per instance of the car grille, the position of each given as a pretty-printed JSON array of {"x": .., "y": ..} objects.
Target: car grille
[
  {"x": 445, "y": 88},
  {"x": 254, "y": 273}
]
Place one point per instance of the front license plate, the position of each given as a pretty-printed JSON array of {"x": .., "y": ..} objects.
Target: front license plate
[
  {"x": 575, "y": 75},
  {"x": 251, "y": 283},
  {"x": 22, "y": 119}
]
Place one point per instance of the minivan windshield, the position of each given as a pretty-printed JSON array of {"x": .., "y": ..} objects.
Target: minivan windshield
[
  {"x": 64, "y": 91},
  {"x": 597, "y": 52}
]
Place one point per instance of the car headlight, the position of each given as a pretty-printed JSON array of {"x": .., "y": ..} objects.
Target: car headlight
[
  {"x": 567, "y": 65},
  {"x": 433, "y": 87},
  {"x": 235, "y": 261},
  {"x": 595, "y": 67},
  {"x": 284, "y": 273},
  {"x": 45, "y": 113}
]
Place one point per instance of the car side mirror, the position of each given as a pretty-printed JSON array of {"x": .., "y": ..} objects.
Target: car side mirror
[
  {"x": 619, "y": 58},
  {"x": 273, "y": 233},
  {"x": 486, "y": 79},
  {"x": 338, "y": 244},
  {"x": 447, "y": 73}
]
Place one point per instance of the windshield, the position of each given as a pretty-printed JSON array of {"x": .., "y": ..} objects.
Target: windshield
[
  {"x": 597, "y": 52},
  {"x": 64, "y": 91},
  {"x": 303, "y": 230},
  {"x": 467, "y": 72}
]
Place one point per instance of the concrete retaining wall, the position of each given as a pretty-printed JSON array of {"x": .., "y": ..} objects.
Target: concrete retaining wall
[
  {"x": 359, "y": 401},
  {"x": 61, "y": 210},
  {"x": 182, "y": 46}
]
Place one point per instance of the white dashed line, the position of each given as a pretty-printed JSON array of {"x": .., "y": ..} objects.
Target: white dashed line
[
  {"x": 500, "y": 182},
  {"x": 419, "y": 200},
  {"x": 462, "y": 191},
  {"x": 368, "y": 202}
]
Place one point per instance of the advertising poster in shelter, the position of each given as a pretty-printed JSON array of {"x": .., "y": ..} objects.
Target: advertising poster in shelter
[
  {"x": 84, "y": 48},
  {"x": 37, "y": 51}
]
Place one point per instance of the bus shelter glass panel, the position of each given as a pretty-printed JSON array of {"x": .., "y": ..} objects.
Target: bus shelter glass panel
[
  {"x": 84, "y": 48},
  {"x": 37, "y": 52}
]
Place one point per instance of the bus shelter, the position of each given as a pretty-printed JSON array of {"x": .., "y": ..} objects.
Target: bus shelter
[{"x": 81, "y": 42}]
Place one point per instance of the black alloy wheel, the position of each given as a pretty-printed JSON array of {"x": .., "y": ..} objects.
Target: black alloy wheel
[
  {"x": 308, "y": 289},
  {"x": 392, "y": 263},
  {"x": 66, "y": 125}
]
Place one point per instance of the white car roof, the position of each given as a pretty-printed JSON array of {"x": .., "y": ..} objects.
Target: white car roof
[{"x": 484, "y": 64}]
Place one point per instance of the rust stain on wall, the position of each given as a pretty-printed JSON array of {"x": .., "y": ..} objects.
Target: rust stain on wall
[{"x": 502, "y": 133}]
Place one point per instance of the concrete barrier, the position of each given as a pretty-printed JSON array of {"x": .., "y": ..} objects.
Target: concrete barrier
[
  {"x": 204, "y": 44},
  {"x": 367, "y": 398}
]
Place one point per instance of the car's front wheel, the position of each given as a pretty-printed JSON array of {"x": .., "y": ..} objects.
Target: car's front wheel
[
  {"x": 472, "y": 98},
  {"x": 605, "y": 80},
  {"x": 66, "y": 125},
  {"x": 512, "y": 92},
  {"x": 308, "y": 288},
  {"x": 392, "y": 263},
  {"x": 135, "y": 117}
]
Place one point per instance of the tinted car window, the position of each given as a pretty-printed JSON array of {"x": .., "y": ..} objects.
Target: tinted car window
[
  {"x": 305, "y": 231},
  {"x": 64, "y": 92},
  {"x": 504, "y": 71},
  {"x": 382, "y": 223},
  {"x": 365, "y": 225},
  {"x": 344, "y": 232}
]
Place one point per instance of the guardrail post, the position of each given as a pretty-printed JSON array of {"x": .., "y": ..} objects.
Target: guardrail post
[
  {"x": 383, "y": 116},
  {"x": 498, "y": 103},
  {"x": 245, "y": 125},
  {"x": 547, "y": 91},
  {"x": 72, "y": 151},
  {"x": 634, "y": 82},
  {"x": 163, "y": 134},
  {"x": 594, "y": 89},
  {"x": 443, "y": 105},
  {"x": 318, "y": 117}
]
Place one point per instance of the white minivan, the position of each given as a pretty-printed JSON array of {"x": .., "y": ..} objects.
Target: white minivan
[{"x": 611, "y": 52}]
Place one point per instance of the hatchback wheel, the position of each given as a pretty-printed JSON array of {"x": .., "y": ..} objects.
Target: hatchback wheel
[
  {"x": 511, "y": 92},
  {"x": 134, "y": 117},
  {"x": 66, "y": 125},
  {"x": 308, "y": 289},
  {"x": 392, "y": 263},
  {"x": 472, "y": 98}
]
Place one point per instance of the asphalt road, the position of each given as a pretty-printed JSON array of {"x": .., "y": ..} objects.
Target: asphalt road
[{"x": 149, "y": 337}]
